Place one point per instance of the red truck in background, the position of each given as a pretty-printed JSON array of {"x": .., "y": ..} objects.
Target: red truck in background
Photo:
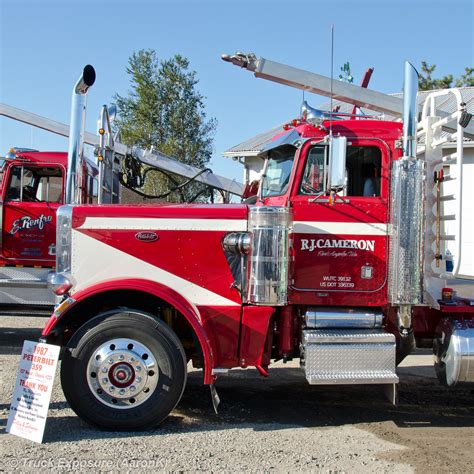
[{"x": 32, "y": 188}]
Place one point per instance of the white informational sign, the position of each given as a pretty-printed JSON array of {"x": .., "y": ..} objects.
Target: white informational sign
[{"x": 34, "y": 384}]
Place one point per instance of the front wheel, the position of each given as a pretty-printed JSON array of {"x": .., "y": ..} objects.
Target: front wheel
[{"x": 126, "y": 372}]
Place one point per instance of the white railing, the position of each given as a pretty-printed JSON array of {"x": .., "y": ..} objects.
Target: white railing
[{"x": 436, "y": 162}]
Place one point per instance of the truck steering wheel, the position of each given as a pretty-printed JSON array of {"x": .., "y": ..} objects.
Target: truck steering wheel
[{"x": 29, "y": 193}]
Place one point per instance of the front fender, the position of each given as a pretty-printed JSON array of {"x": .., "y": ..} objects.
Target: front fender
[{"x": 187, "y": 309}]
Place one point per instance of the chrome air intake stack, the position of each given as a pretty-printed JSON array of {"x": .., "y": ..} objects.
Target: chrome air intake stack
[
  {"x": 407, "y": 208},
  {"x": 76, "y": 135},
  {"x": 268, "y": 269}
]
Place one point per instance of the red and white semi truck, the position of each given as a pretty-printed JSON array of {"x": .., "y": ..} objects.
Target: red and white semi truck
[{"x": 340, "y": 261}]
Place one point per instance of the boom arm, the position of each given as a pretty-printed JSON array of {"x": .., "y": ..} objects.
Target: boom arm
[
  {"x": 318, "y": 84},
  {"x": 155, "y": 159}
]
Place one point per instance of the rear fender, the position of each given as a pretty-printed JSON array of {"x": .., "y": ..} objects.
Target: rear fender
[{"x": 174, "y": 299}]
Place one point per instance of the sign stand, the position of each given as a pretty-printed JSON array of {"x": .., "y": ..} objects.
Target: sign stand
[{"x": 33, "y": 388}]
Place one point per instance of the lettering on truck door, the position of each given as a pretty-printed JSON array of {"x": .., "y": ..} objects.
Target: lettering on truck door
[{"x": 342, "y": 245}]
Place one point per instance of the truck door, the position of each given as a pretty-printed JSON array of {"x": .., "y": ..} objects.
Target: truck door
[
  {"x": 31, "y": 199},
  {"x": 340, "y": 244}
]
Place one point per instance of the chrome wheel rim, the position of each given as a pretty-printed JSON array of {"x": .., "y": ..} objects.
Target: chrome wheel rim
[{"x": 122, "y": 373}]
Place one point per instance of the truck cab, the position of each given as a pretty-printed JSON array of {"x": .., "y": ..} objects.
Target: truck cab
[
  {"x": 32, "y": 189},
  {"x": 340, "y": 239}
]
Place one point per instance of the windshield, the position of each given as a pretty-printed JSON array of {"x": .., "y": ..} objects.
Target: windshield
[{"x": 278, "y": 169}]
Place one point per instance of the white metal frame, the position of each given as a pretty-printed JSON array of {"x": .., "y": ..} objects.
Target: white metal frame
[{"x": 430, "y": 128}]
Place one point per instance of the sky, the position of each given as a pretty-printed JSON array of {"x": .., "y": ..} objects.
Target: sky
[{"x": 45, "y": 44}]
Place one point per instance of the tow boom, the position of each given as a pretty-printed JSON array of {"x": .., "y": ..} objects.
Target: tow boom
[
  {"x": 318, "y": 84},
  {"x": 155, "y": 159}
]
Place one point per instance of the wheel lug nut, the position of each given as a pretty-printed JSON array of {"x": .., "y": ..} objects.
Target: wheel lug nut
[
  {"x": 138, "y": 368},
  {"x": 105, "y": 380},
  {"x": 121, "y": 357},
  {"x": 139, "y": 379},
  {"x": 132, "y": 388},
  {"x": 104, "y": 370},
  {"x": 111, "y": 389},
  {"x": 122, "y": 391},
  {"x": 132, "y": 359},
  {"x": 111, "y": 361}
]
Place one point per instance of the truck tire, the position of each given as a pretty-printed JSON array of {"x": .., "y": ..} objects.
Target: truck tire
[{"x": 127, "y": 372}]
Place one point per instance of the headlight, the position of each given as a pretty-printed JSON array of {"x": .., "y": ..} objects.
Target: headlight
[
  {"x": 63, "y": 239},
  {"x": 59, "y": 283}
]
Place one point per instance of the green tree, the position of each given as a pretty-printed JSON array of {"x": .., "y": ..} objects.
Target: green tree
[
  {"x": 345, "y": 75},
  {"x": 427, "y": 82},
  {"x": 165, "y": 111}
]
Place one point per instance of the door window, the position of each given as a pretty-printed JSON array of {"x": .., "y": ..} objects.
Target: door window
[
  {"x": 363, "y": 171},
  {"x": 313, "y": 177},
  {"x": 364, "y": 166},
  {"x": 35, "y": 184}
]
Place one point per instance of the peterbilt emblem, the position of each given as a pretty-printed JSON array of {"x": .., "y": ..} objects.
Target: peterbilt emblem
[{"x": 147, "y": 236}]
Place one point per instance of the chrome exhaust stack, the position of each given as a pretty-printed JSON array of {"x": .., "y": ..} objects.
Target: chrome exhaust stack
[
  {"x": 406, "y": 239},
  {"x": 74, "y": 181},
  {"x": 410, "y": 93}
]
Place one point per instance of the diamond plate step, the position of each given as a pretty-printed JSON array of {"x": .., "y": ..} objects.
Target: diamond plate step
[{"x": 346, "y": 356}]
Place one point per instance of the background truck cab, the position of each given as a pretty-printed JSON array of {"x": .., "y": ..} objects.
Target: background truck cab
[{"x": 32, "y": 188}]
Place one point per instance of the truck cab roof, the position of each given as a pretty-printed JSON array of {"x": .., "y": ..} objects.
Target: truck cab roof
[{"x": 35, "y": 156}]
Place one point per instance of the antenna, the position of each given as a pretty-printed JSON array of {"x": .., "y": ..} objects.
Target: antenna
[{"x": 332, "y": 78}]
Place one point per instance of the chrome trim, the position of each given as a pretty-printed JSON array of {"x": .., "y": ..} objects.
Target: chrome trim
[
  {"x": 76, "y": 135},
  {"x": 237, "y": 243},
  {"x": 454, "y": 352},
  {"x": 122, "y": 373},
  {"x": 292, "y": 138},
  {"x": 407, "y": 231},
  {"x": 59, "y": 283},
  {"x": 410, "y": 92},
  {"x": 348, "y": 356},
  {"x": 343, "y": 318},
  {"x": 268, "y": 262},
  {"x": 342, "y": 336},
  {"x": 17, "y": 283},
  {"x": 63, "y": 238}
]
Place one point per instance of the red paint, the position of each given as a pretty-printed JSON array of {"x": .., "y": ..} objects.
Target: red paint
[
  {"x": 255, "y": 321},
  {"x": 190, "y": 312},
  {"x": 286, "y": 328},
  {"x": 333, "y": 276},
  {"x": 195, "y": 256},
  {"x": 222, "y": 326},
  {"x": 29, "y": 233}
]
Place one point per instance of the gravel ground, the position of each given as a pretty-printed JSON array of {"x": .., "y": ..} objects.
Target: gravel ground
[{"x": 280, "y": 423}]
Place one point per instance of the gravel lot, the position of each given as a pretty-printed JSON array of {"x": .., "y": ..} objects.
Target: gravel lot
[{"x": 280, "y": 423}]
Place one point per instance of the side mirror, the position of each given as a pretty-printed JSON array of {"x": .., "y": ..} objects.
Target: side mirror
[
  {"x": 337, "y": 162},
  {"x": 112, "y": 109}
]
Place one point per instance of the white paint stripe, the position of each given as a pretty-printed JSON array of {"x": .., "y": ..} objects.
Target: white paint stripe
[
  {"x": 108, "y": 263},
  {"x": 337, "y": 228},
  {"x": 143, "y": 223}
]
